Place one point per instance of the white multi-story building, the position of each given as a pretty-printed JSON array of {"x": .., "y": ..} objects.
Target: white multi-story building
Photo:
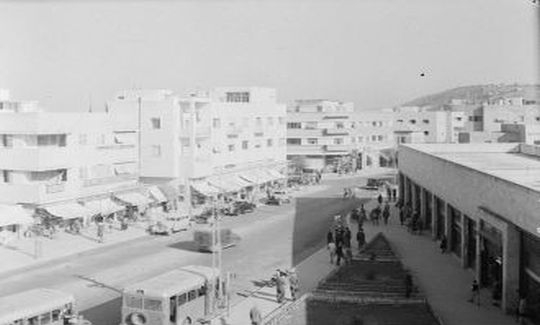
[
  {"x": 324, "y": 131},
  {"x": 230, "y": 138},
  {"x": 436, "y": 126},
  {"x": 59, "y": 159}
]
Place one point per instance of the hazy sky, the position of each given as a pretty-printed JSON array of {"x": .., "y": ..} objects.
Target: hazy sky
[{"x": 372, "y": 52}]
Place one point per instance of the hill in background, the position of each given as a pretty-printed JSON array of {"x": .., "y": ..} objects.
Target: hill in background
[{"x": 478, "y": 94}]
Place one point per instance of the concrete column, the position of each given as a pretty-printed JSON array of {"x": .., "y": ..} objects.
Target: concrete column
[
  {"x": 511, "y": 268},
  {"x": 406, "y": 188},
  {"x": 433, "y": 217},
  {"x": 464, "y": 241},
  {"x": 414, "y": 197},
  {"x": 423, "y": 205},
  {"x": 478, "y": 263},
  {"x": 401, "y": 185},
  {"x": 448, "y": 226}
]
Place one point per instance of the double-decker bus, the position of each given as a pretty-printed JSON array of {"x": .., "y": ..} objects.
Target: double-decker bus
[
  {"x": 39, "y": 307},
  {"x": 178, "y": 297}
]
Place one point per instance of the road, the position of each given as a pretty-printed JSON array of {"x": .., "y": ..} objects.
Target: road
[{"x": 272, "y": 237}]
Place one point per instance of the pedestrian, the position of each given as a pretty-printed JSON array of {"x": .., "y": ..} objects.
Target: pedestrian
[
  {"x": 401, "y": 213},
  {"x": 386, "y": 213},
  {"x": 255, "y": 315},
  {"x": 522, "y": 310},
  {"x": 361, "y": 238},
  {"x": 294, "y": 283},
  {"x": 100, "y": 231},
  {"x": 388, "y": 193},
  {"x": 380, "y": 199},
  {"x": 332, "y": 250},
  {"x": 339, "y": 253},
  {"x": 345, "y": 193},
  {"x": 347, "y": 237},
  {"x": 329, "y": 237},
  {"x": 475, "y": 293},
  {"x": 444, "y": 244},
  {"x": 408, "y": 285},
  {"x": 280, "y": 287},
  {"x": 394, "y": 194}
]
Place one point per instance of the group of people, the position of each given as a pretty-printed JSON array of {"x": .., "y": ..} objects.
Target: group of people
[
  {"x": 410, "y": 218},
  {"x": 286, "y": 280},
  {"x": 339, "y": 243}
]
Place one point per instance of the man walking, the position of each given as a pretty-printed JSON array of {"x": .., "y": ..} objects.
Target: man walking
[
  {"x": 339, "y": 253},
  {"x": 386, "y": 213},
  {"x": 380, "y": 199},
  {"x": 332, "y": 251},
  {"x": 475, "y": 293},
  {"x": 294, "y": 283},
  {"x": 361, "y": 238}
]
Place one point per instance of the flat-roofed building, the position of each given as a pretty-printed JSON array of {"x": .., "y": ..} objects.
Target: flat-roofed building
[{"x": 484, "y": 199}]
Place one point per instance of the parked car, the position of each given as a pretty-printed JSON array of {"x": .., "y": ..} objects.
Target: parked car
[
  {"x": 282, "y": 196},
  {"x": 172, "y": 224}
]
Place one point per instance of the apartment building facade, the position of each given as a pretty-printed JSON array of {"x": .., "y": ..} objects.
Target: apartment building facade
[
  {"x": 435, "y": 126},
  {"x": 224, "y": 137},
  {"x": 55, "y": 159},
  {"x": 321, "y": 132}
]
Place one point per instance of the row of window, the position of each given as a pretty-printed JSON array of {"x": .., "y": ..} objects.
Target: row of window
[
  {"x": 156, "y": 150},
  {"x": 311, "y": 125},
  {"x": 315, "y": 141}
]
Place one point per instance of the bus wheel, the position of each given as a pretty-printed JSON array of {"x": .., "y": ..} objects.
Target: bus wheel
[
  {"x": 136, "y": 319},
  {"x": 187, "y": 321}
]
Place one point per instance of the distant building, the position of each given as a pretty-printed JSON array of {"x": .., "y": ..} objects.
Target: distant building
[
  {"x": 322, "y": 132},
  {"x": 238, "y": 132},
  {"x": 435, "y": 126},
  {"x": 484, "y": 199}
]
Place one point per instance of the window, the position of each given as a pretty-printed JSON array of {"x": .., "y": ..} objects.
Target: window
[
  {"x": 353, "y": 125},
  {"x": 245, "y": 144},
  {"x": 6, "y": 176},
  {"x": 83, "y": 139},
  {"x": 258, "y": 134},
  {"x": 339, "y": 125},
  {"x": 412, "y": 121},
  {"x": 51, "y": 140},
  {"x": 45, "y": 318},
  {"x": 380, "y": 138},
  {"x": 319, "y": 108},
  {"x": 216, "y": 123},
  {"x": 312, "y": 141},
  {"x": 258, "y": 121},
  {"x": 294, "y": 125},
  {"x": 7, "y": 140},
  {"x": 270, "y": 120},
  {"x": 400, "y": 121},
  {"x": 152, "y": 304},
  {"x": 425, "y": 121},
  {"x": 294, "y": 141},
  {"x": 56, "y": 315},
  {"x": 238, "y": 97},
  {"x": 202, "y": 291},
  {"x": 373, "y": 138},
  {"x": 133, "y": 302},
  {"x": 156, "y": 123},
  {"x": 192, "y": 295},
  {"x": 310, "y": 125},
  {"x": 182, "y": 299},
  {"x": 231, "y": 147},
  {"x": 458, "y": 119},
  {"x": 338, "y": 141},
  {"x": 269, "y": 142},
  {"x": 426, "y": 132},
  {"x": 281, "y": 120},
  {"x": 360, "y": 139},
  {"x": 156, "y": 151},
  {"x": 33, "y": 321},
  {"x": 374, "y": 123}
]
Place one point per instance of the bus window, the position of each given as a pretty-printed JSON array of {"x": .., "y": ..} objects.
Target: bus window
[
  {"x": 33, "y": 321},
  {"x": 182, "y": 299},
  {"x": 173, "y": 309},
  {"x": 45, "y": 319},
  {"x": 202, "y": 291},
  {"x": 152, "y": 304},
  {"x": 133, "y": 302},
  {"x": 192, "y": 295},
  {"x": 56, "y": 315}
]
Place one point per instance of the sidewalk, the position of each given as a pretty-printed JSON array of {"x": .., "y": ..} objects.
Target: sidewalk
[
  {"x": 310, "y": 272},
  {"x": 21, "y": 253},
  {"x": 445, "y": 283},
  {"x": 361, "y": 173}
]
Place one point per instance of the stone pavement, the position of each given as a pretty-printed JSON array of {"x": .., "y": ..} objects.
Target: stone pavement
[
  {"x": 310, "y": 272},
  {"x": 445, "y": 283}
]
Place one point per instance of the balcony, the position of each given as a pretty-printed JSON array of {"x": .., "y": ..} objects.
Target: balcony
[
  {"x": 299, "y": 133},
  {"x": 36, "y": 193},
  {"x": 36, "y": 158},
  {"x": 338, "y": 148},
  {"x": 109, "y": 180},
  {"x": 335, "y": 131},
  {"x": 305, "y": 149},
  {"x": 200, "y": 132}
]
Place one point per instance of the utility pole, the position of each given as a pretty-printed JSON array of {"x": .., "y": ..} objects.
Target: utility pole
[{"x": 192, "y": 135}]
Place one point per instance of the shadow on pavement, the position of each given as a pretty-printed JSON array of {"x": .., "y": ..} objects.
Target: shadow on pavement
[
  {"x": 187, "y": 245},
  {"x": 107, "y": 313}
]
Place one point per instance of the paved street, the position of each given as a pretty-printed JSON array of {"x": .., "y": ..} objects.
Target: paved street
[{"x": 267, "y": 238}]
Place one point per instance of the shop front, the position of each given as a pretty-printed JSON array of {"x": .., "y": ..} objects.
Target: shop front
[
  {"x": 530, "y": 274},
  {"x": 491, "y": 254},
  {"x": 440, "y": 211},
  {"x": 455, "y": 230}
]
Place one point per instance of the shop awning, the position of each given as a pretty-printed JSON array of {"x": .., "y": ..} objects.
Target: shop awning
[
  {"x": 103, "y": 206},
  {"x": 157, "y": 194},
  {"x": 133, "y": 198},
  {"x": 257, "y": 176},
  {"x": 275, "y": 174},
  {"x": 14, "y": 215},
  {"x": 69, "y": 211},
  {"x": 169, "y": 191},
  {"x": 204, "y": 188},
  {"x": 229, "y": 183}
]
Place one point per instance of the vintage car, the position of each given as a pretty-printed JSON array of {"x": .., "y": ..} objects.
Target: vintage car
[{"x": 173, "y": 223}]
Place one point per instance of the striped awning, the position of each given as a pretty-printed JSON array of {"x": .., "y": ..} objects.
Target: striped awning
[
  {"x": 204, "y": 188},
  {"x": 103, "y": 206},
  {"x": 157, "y": 194},
  {"x": 69, "y": 211},
  {"x": 133, "y": 198},
  {"x": 14, "y": 215}
]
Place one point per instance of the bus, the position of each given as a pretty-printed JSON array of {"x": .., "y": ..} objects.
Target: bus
[
  {"x": 39, "y": 307},
  {"x": 178, "y": 297}
]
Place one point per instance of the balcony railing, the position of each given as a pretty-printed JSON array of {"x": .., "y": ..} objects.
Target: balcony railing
[
  {"x": 55, "y": 188},
  {"x": 116, "y": 146},
  {"x": 109, "y": 180},
  {"x": 336, "y": 131},
  {"x": 338, "y": 147}
]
